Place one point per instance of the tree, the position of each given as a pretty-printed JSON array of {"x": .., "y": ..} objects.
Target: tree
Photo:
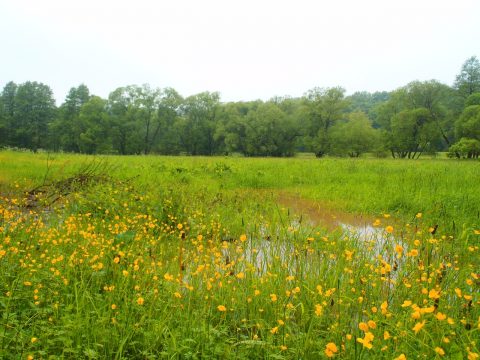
[
  {"x": 424, "y": 109},
  {"x": 468, "y": 124},
  {"x": 34, "y": 109},
  {"x": 197, "y": 126},
  {"x": 366, "y": 102},
  {"x": 465, "y": 148},
  {"x": 94, "y": 127},
  {"x": 125, "y": 134},
  {"x": 468, "y": 81},
  {"x": 355, "y": 136},
  {"x": 412, "y": 132},
  {"x": 167, "y": 112},
  {"x": 65, "y": 130},
  {"x": 322, "y": 109},
  {"x": 7, "y": 112},
  {"x": 269, "y": 132}
]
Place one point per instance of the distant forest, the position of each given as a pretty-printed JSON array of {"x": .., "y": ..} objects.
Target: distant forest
[{"x": 418, "y": 118}]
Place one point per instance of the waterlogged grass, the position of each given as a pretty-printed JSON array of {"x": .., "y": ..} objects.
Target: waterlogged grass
[{"x": 153, "y": 257}]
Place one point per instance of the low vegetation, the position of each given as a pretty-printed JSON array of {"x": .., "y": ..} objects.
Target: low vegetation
[{"x": 190, "y": 257}]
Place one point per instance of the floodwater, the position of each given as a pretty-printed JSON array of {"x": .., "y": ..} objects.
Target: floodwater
[
  {"x": 323, "y": 215},
  {"x": 270, "y": 246}
]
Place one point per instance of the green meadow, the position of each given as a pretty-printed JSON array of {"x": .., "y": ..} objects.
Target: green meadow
[{"x": 230, "y": 257}]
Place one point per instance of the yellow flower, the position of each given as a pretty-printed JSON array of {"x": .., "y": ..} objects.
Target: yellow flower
[
  {"x": 399, "y": 249},
  {"x": 240, "y": 275},
  {"x": 221, "y": 308},
  {"x": 386, "y": 335},
  {"x": 434, "y": 294},
  {"x": 274, "y": 330},
  {"x": 418, "y": 326},
  {"x": 256, "y": 292},
  {"x": 419, "y": 215},
  {"x": 401, "y": 357},
  {"x": 371, "y": 324},
  {"x": 243, "y": 238},
  {"x": 331, "y": 349},
  {"x": 472, "y": 356},
  {"x": 177, "y": 295},
  {"x": 179, "y": 226},
  {"x": 384, "y": 307},
  {"x": 140, "y": 301},
  {"x": 113, "y": 306},
  {"x": 440, "y": 316},
  {"x": 33, "y": 339},
  {"x": 439, "y": 351},
  {"x": 389, "y": 229},
  {"x": 458, "y": 292},
  {"x": 413, "y": 252},
  {"x": 367, "y": 340},
  {"x": 283, "y": 347},
  {"x": 273, "y": 297},
  {"x": 318, "y": 310},
  {"x": 168, "y": 277},
  {"x": 406, "y": 303},
  {"x": 348, "y": 254},
  {"x": 363, "y": 326}
]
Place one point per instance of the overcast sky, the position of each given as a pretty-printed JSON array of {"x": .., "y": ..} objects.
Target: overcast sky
[{"x": 249, "y": 49}]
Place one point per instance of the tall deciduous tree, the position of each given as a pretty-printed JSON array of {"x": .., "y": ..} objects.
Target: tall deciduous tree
[
  {"x": 196, "y": 129},
  {"x": 65, "y": 130},
  {"x": 323, "y": 108},
  {"x": 355, "y": 136},
  {"x": 95, "y": 127},
  {"x": 269, "y": 132},
  {"x": 468, "y": 81}
]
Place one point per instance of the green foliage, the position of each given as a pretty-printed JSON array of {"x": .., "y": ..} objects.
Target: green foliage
[
  {"x": 269, "y": 132},
  {"x": 465, "y": 148},
  {"x": 473, "y": 99},
  {"x": 143, "y": 265},
  {"x": 421, "y": 117},
  {"x": 468, "y": 81},
  {"x": 468, "y": 124},
  {"x": 323, "y": 108},
  {"x": 27, "y": 110},
  {"x": 355, "y": 136}
]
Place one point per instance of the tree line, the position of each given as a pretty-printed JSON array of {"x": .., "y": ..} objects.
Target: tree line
[{"x": 421, "y": 117}]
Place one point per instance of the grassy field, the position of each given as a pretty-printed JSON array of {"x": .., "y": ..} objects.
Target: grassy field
[{"x": 191, "y": 257}]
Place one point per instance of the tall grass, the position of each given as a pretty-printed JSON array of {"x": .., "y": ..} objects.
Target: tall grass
[{"x": 193, "y": 258}]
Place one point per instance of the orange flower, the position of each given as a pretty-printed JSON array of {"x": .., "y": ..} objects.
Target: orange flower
[
  {"x": 331, "y": 349},
  {"x": 221, "y": 308},
  {"x": 418, "y": 326}
]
